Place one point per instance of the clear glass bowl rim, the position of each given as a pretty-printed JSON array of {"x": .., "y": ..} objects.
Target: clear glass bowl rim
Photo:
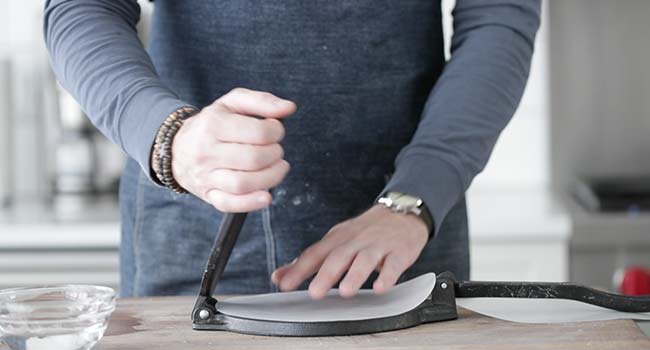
[{"x": 102, "y": 293}]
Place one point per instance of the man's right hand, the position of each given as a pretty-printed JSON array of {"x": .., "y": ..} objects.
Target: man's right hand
[{"x": 229, "y": 153}]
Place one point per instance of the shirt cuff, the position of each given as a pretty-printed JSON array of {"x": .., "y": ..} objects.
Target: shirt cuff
[
  {"x": 431, "y": 179},
  {"x": 141, "y": 119}
]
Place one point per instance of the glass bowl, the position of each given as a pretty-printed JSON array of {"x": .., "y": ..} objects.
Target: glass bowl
[{"x": 68, "y": 317}]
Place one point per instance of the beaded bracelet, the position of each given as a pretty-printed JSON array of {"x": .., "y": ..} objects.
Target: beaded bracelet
[{"x": 161, "y": 159}]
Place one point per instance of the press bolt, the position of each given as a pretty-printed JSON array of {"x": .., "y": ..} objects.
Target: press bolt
[
  {"x": 443, "y": 285},
  {"x": 204, "y": 314}
]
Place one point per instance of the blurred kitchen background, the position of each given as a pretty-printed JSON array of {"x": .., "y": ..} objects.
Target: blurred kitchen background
[{"x": 564, "y": 197}]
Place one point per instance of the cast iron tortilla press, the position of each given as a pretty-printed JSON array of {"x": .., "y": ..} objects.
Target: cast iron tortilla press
[{"x": 440, "y": 305}]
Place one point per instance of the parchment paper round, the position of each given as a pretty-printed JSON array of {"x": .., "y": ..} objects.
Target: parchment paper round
[
  {"x": 299, "y": 307},
  {"x": 544, "y": 310}
]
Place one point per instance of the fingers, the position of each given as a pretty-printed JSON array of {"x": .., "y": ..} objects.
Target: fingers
[
  {"x": 237, "y": 191},
  {"x": 242, "y": 129},
  {"x": 331, "y": 271},
  {"x": 235, "y": 156},
  {"x": 242, "y": 182},
  {"x": 234, "y": 191},
  {"x": 364, "y": 263},
  {"x": 232, "y": 203},
  {"x": 280, "y": 272},
  {"x": 332, "y": 259},
  {"x": 305, "y": 266},
  {"x": 376, "y": 240},
  {"x": 256, "y": 103},
  {"x": 358, "y": 264},
  {"x": 393, "y": 267}
]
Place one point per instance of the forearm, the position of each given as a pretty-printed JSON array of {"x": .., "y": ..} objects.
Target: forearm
[
  {"x": 471, "y": 103},
  {"x": 97, "y": 56}
]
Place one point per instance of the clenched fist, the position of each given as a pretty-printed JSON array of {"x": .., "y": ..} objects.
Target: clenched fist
[{"x": 229, "y": 153}]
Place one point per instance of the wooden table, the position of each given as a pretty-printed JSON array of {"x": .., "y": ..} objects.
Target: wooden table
[{"x": 164, "y": 324}]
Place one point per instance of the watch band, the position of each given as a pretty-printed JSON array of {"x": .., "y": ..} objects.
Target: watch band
[{"x": 425, "y": 214}]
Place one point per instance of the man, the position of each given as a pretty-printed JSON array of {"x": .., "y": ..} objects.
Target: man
[{"x": 355, "y": 95}]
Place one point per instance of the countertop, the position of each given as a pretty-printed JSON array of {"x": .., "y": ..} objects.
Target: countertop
[
  {"x": 164, "y": 323},
  {"x": 607, "y": 229}
]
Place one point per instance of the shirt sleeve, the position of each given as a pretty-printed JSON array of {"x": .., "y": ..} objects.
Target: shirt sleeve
[
  {"x": 97, "y": 56},
  {"x": 471, "y": 103}
]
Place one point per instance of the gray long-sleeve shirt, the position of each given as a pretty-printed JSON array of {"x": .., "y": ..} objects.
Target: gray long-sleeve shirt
[{"x": 369, "y": 77}]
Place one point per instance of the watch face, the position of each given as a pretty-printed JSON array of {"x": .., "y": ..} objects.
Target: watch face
[{"x": 404, "y": 200}]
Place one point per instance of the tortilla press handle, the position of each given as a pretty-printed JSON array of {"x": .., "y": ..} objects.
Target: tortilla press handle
[
  {"x": 231, "y": 224},
  {"x": 551, "y": 290}
]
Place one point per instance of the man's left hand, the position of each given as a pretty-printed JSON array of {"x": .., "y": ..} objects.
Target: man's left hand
[{"x": 378, "y": 239}]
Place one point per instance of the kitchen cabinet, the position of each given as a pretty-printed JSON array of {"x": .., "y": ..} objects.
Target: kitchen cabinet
[
  {"x": 47, "y": 254},
  {"x": 521, "y": 234},
  {"x": 38, "y": 247}
]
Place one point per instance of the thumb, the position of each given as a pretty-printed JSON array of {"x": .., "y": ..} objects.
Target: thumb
[{"x": 256, "y": 104}]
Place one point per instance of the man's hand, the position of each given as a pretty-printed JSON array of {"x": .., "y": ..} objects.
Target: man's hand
[
  {"x": 228, "y": 156},
  {"x": 379, "y": 239}
]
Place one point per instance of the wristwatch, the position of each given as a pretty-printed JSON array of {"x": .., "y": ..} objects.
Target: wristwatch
[{"x": 406, "y": 204}]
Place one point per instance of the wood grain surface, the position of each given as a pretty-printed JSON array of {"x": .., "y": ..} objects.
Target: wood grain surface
[{"x": 164, "y": 323}]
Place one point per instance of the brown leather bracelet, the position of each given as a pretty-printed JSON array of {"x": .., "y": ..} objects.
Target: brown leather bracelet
[{"x": 161, "y": 156}]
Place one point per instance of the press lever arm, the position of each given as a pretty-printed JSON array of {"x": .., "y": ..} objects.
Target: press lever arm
[
  {"x": 224, "y": 243},
  {"x": 550, "y": 290}
]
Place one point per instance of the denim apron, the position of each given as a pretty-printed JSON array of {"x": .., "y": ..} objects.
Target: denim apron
[{"x": 360, "y": 73}]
